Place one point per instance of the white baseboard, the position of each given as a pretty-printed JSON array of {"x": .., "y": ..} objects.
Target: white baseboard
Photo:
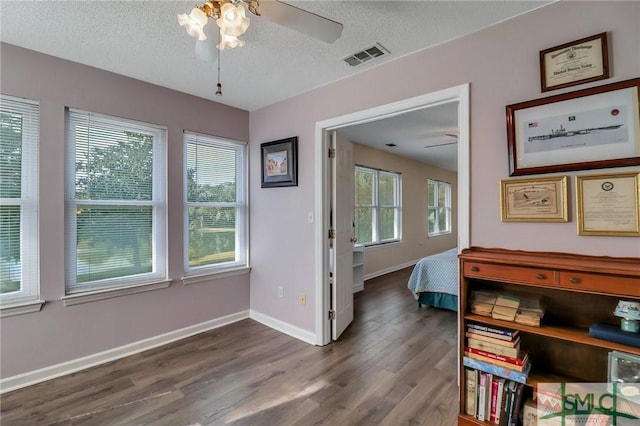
[
  {"x": 283, "y": 327},
  {"x": 357, "y": 288},
  {"x": 37, "y": 376},
  {"x": 390, "y": 270}
]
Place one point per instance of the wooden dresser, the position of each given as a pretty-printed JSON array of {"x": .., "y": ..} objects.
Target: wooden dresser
[{"x": 577, "y": 291}]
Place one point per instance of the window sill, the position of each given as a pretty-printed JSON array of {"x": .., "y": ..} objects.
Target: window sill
[
  {"x": 380, "y": 245},
  {"x": 92, "y": 296},
  {"x": 20, "y": 308},
  {"x": 438, "y": 234},
  {"x": 195, "y": 279}
]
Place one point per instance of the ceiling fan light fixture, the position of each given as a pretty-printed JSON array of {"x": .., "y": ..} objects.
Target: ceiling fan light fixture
[
  {"x": 229, "y": 41},
  {"x": 233, "y": 20},
  {"x": 194, "y": 23}
]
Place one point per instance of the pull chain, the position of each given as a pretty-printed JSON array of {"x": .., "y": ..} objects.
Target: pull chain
[{"x": 219, "y": 86}]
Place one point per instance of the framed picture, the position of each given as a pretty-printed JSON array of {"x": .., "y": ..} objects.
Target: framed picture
[
  {"x": 534, "y": 200},
  {"x": 608, "y": 204},
  {"x": 280, "y": 163},
  {"x": 588, "y": 129},
  {"x": 577, "y": 62}
]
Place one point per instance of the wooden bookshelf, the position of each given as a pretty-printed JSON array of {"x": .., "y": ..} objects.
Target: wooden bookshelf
[{"x": 577, "y": 291}]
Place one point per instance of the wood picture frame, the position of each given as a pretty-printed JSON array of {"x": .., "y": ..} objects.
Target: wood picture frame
[
  {"x": 279, "y": 163},
  {"x": 534, "y": 200},
  {"x": 587, "y": 129},
  {"x": 608, "y": 204},
  {"x": 576, "y": 62}
]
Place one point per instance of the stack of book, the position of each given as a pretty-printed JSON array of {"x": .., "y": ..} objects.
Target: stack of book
[
  {"x": 524, "y": 309},
  {"x": 496, "y": 372},
  {"x": 506, "y": 308},
  {"x": 497, "y": 346},
  {"x": 530, "y": 311},
  {"x": 482, "y": 303}
]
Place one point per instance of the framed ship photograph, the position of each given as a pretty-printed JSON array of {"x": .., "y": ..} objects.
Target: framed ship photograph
[{"x": 588, "y": 129}]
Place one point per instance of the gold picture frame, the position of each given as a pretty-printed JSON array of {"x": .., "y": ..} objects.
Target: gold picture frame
[
  {"x": 608, "y": 204},
  {"x": 534, "y": 200}
]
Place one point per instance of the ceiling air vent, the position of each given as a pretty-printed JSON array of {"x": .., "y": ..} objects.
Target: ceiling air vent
[{"x": 365, "y": 55}]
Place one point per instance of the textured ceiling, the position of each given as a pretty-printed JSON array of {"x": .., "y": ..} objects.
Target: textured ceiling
[{"x": 142, "y": 40}]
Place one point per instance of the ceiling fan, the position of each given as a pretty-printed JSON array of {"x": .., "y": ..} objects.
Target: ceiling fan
[{"x": 231, "y": 20}]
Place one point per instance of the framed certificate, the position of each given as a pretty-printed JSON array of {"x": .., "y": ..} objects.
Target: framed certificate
[
  {"x": 608, "y": 205},
  {"x": 534, "y": 200},
  {"x": 577, "y": 62}
]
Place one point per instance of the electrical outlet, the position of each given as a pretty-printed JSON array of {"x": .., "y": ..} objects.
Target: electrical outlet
[
  {"x": 303, "y": 299},
  {"x": 280, "y": 292}
]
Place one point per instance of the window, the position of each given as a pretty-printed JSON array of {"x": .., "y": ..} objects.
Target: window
[
  {"x": 116, "y": 203},
  {"x": 216, "y": 204},
  {"x": 19, "y": 130},
  {"x": 377, "y": 210},
  {"x": 439, "y": 207}
]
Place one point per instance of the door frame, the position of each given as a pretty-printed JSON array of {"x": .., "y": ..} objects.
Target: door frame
[{"x": 458, "y": 94}]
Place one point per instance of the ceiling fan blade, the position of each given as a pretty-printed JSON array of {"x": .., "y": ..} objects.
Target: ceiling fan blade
[
  {"x": 300, "y": 20},
  {"x": 206, "y": 50}
]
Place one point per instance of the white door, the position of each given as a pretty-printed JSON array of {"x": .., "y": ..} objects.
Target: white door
[{"x": 342, "y": 217}]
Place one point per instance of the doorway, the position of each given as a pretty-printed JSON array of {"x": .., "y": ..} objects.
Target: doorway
[{"x": 459, "y": 94}]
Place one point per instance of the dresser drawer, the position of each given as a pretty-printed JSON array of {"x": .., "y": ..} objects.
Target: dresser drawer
[
  {"x": 517, "y": 274},
  {"x": 600, "y": 283}
]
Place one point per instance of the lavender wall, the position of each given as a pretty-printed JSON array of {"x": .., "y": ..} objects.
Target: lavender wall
[
  {"x": 501, "y": 64},
  {"x": 58, "y": 333}
]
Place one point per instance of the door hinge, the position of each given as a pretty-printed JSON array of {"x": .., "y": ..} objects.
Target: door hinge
[
  {"x": 332, "y": 153},
  {"x": 332, "y": 315},
  {"x": 332, "y": 234}
]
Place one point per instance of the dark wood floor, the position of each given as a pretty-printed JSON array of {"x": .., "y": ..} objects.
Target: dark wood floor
[{"x": 395, "y": 365}]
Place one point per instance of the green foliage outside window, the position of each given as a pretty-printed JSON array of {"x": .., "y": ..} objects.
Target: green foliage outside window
[
  {"x": 377, "y": 205},
  {"x": 439, "y": 207},
  {"x": 10, "y": 187}
]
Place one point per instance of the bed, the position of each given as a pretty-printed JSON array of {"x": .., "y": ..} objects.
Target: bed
[{"x": 434, "y": 280}]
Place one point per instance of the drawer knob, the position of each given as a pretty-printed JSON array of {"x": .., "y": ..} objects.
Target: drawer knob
[
  {"x": 474, "y": 269},
  {"x": 540, "y": 276},
  {"x": 574, "y": 280}
]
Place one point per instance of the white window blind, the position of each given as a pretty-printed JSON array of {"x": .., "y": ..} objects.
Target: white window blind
[
  {"x": 215, "y": 204},
  {"x": 19, "y": 130},
  {"x": 116, "y": 202}
]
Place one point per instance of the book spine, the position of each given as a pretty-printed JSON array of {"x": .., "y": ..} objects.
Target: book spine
[
  {"x": 614, "y": 334},
  {"x": 490, "y": 334},
  {"x": 494, "y": 400},
  {"x": 487, "y": 401},
  {"x": 517, "y": 405},
  {"x": 482, "y": 393},
  {"x": 515, "y": 361},
  {"x": 511, "y": 389},
  {"x": 506, "y": 373},
  {"x": 500, "y": 400},
  {"x": 512, "y": 367},
  {"x": 471, "y": 385},
  {"x": 511, "y": 344},
  {"x": 498, "y": 331},
  {"x": 496, "y": 349}
]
